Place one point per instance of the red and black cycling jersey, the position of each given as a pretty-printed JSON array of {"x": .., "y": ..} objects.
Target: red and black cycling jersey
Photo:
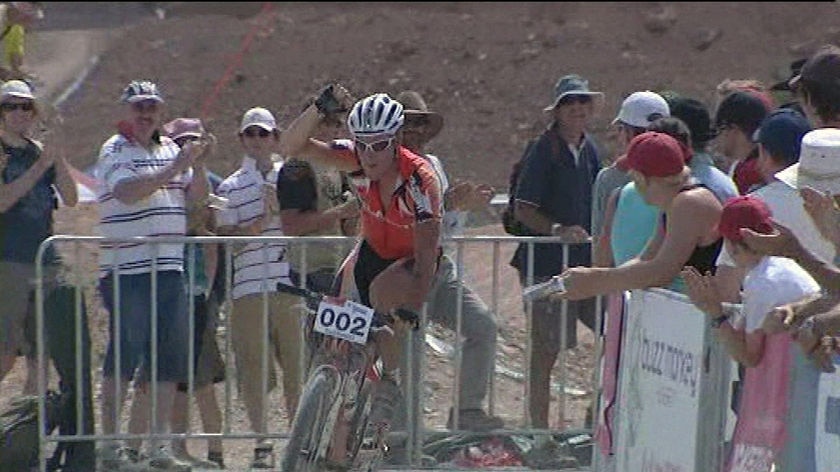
[{"x": 416, "y": 198}]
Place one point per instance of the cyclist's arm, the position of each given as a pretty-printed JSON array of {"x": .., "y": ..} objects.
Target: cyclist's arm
[
  {"x": 426, "y": 248},
  {"x": 428, "y": 210},
  {"x": 296, "y": 141}
]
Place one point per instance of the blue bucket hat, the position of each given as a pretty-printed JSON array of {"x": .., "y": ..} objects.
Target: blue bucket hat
[{"x": 571, "y": 84}]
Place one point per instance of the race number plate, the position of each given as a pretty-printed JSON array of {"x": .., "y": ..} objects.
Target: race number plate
[{"x": 350, "y": 321}]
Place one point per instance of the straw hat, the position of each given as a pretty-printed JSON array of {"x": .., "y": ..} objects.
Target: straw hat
[{"x": 417, "y": 114}]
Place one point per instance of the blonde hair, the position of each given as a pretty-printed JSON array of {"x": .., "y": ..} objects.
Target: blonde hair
[
  {"x": 676, "y": 180},
  {"x": 738, "y": 85}
]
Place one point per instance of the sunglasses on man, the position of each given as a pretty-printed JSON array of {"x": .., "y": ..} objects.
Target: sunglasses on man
[
  {"x": 27, "y": 106},
  {"x": 257, "y": 131},
  {"x": 570, "y": 99}
]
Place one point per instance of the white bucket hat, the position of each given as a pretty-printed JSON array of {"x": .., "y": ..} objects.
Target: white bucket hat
[{"x": 819, "y": 162}]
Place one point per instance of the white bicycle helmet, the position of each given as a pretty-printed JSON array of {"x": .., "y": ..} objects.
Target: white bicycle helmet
[{"x": 376, "y": 114}]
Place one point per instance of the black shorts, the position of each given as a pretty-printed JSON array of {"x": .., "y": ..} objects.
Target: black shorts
[{"x": 368, "y": 266}]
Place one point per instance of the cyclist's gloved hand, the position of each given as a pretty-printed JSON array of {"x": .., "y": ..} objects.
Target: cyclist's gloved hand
[{"x": 408, "y": 316}]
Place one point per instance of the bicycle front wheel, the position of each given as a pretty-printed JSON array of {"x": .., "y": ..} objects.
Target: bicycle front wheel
[{"x": 310, "y": 425}]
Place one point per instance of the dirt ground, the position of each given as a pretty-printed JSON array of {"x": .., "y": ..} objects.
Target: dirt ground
[{"x": 489, "y": 68}]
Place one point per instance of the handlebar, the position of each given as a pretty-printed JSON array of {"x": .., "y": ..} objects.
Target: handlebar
[{"x": 314, "y": 298}]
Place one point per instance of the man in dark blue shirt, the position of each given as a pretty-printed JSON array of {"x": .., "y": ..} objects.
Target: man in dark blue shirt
[{"x": 554, "y": 197}]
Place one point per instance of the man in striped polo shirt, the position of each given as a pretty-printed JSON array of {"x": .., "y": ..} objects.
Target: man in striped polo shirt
[
  {"x": 257, "y": 334},
  {"x": 148, "y": 180}
]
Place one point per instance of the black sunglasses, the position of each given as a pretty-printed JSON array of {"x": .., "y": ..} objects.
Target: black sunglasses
[
  {"x": 254, "y": 132},
  {"x": 28, "y": 106},
  {"x": 569, "y": 99}
]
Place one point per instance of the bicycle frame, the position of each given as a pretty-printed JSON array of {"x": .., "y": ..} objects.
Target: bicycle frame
[
  {"x": 332, "y": 415},
  {"x": 356, "y": 367}
]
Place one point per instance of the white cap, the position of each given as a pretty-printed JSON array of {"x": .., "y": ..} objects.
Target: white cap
[
  {"x": 258, "y": 117},
  {"x": 16, "y": 88},
  {"x": 640, "y": 109}
]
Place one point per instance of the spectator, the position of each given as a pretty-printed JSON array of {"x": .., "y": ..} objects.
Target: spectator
[
  {"x": 315, "y": 201},
  {"x": 769, "y": 282},
  {"x": 554, "y": 197},
  {"x": 817, "y": 87},
  {"x": 783, "y": 87},
  {"x": 686, "y": 234},
  {"x": 637, "y": 111},
  {"x": 817, "y": 169},
  {"x": 818, "y": 91},
  {"x": 19, "y": 16},
  {"x": 258, "y": 335},
  {"x": 695, "y": 115},
  {"x": 201, "y": 269},
  {"x": 630, "y": 221},
  {"x": 32, "y": 175},
  {"x": 27, "y": 201},
  {"x": 753, "y": 86},
  {"x": 478, "y": 325},
  {"x": 148, "y": 181},
  {"x": 737, "y": 118}
]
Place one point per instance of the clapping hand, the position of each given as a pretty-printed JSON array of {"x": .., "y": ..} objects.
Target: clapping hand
[
  {"x": 702, "y": 291},
  {"x": 467, "y": 196},
  {"x": 823, "y": 211}
]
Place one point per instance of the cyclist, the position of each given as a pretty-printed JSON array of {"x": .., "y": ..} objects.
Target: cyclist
[{"x": 401, "y": 212}]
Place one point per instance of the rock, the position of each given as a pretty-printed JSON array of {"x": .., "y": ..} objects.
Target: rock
[
  {"x": 660, "y": 21},
  {"x": 702, "y": 39}
]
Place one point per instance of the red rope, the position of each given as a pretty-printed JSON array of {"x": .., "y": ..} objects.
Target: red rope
[{"x": 264, "y": 18}]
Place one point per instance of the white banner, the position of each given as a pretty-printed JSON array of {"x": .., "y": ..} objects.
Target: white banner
[{"x": 660, "y": 384}]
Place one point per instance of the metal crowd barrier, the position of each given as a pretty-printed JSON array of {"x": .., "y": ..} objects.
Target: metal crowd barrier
[{"x": 415, "y": 429}]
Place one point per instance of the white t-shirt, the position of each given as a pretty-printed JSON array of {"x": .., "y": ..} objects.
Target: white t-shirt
[
  {"x": 454, "y": 221},
  {"x": 251, "y": 264},
  {"x": 162, "y": 213},
  {"x": 775, "y": 281},
  {"x": 786, "y": 205}
]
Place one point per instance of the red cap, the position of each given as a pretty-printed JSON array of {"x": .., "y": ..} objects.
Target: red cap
[
  {"x": 654, "y": 154},
  {"x": 744, "y": 212}
]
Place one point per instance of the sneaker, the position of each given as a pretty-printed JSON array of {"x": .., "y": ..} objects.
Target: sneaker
[
  {"x": 162, "y": 459},
  {"x": 116, "y": 458},
  {"x": 263, "y": 456},
  {"x": 184, "y": 456},
  {"x": 475, "y": 419},
  {"x": 217, "y": 458}
]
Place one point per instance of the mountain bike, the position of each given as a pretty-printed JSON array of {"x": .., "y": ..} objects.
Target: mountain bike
[{"x": 330, "y": 429}]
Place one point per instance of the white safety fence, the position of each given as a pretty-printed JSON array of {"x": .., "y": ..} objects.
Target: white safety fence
[{"x": 672, "y": 381}]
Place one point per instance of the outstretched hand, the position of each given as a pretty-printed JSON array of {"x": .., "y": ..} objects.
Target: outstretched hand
[
  {"x": 580, "y": 283},
  {"x": 781, "y": 242},
  {"x": 823, "y": 211},
  {"x": 790, "y": 316}
]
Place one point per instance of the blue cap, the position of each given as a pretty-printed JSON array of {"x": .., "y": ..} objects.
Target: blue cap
[{"x": 781, "y": 134}]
